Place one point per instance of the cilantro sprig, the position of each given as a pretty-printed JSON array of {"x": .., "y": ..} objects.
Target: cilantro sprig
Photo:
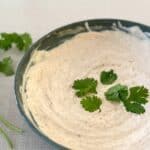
[
  {"x": 108, "y": 77},
  {"x": 85, "y": 88},
  {"x": 133, "y": 99},
  {"x": 22, "y": 41},
  {"x": 7, "y": 40},
  {"x": 136, "y": 100}
]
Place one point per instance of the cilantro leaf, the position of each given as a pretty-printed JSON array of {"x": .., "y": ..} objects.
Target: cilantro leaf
[
  {"x": 27, "y": 41},
  {"x": 16, "y": 38},
  {"x": 108, "y": 77},
  {"x": 91, "y": 103},
  {"x": 85, "y": 86},
  {"x": 22, "y": 41},
  {"x": 6, "y": 66},
  {"x": 138, "y": 94},
  {"x": 134, "y": 107},
  {"x": 117, "y": 93},
  {"x": 5, "y": 41}
]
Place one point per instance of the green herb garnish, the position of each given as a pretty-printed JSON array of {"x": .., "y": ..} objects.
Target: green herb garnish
[
  {"x": 133, "y": 102},
  {"x": 138, "y": 94},
  {"x": 133, "y": 98},
  {"x": 117, "y": 93},
  {"x": 91, "y": 103},
  {"x": 6, "y": 66},
  {"x": 22, "y": 41},
  {"x": 134, "y": 107},
  {"x": 85, "y": 86},
  {"x": 137, "y": 98},
  {"x": 108, "y": 77},
  {"x": 7, "y": 40}
]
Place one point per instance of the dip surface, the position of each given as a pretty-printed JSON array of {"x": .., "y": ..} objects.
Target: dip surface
[{"x": 47, "y": 91}]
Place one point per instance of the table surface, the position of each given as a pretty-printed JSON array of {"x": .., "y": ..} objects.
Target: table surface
[{"x": 38, "y": 17}]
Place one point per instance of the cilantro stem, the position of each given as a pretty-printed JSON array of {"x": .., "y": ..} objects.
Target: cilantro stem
[
  {"x": 10, "y": 125},
  {"x": 6, "y": 137}
]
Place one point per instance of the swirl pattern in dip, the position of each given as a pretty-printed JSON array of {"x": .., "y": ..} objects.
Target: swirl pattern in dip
[{"x": 49, "y": 96}]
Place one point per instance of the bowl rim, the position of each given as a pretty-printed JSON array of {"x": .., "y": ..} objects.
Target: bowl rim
[{"x": 17, "y": 74}]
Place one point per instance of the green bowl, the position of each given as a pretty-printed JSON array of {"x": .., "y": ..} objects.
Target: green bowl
[{"x": 52, "y": 40}]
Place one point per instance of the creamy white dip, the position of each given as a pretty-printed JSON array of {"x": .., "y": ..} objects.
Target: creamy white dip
[{"x": 51, "y": 100}]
